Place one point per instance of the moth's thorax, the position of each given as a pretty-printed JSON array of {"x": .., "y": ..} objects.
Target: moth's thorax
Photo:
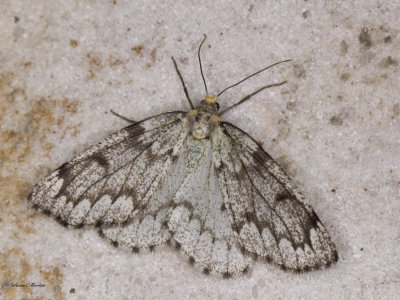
[{"x": 204, "y": 119}]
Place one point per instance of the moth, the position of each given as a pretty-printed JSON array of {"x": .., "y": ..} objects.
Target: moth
[{"x": 194, "y": 181}]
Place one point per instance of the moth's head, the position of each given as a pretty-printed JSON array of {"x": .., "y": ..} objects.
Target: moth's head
[{"x": 209, "y": 104}]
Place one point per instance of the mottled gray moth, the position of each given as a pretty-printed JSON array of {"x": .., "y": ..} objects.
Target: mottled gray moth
[{"x": 193, "y": 181}]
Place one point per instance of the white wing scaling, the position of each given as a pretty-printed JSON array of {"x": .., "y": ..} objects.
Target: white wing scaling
[
  {"x": 198, "y": 222},
  {"x": 222, "y": 199},
  {"x": 192, "y": 215}
]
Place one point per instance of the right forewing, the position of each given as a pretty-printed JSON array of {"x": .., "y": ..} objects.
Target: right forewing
[{"x": 271, "y": 218}]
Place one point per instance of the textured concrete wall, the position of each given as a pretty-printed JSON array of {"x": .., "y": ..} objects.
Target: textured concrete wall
[{"x": 335, "y": 128}]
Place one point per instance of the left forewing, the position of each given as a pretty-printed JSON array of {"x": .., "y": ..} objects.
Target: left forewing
[{"x": 113, "y": 179}]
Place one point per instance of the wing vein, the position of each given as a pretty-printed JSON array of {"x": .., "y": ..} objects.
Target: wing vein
[{"x": 265, "y": 200}]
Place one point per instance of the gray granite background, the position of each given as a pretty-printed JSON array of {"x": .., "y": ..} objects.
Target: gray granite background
[{"x": 335, "y": 128}]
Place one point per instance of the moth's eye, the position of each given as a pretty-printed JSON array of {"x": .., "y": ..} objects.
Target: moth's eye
[{"x": 217, "y": 105}]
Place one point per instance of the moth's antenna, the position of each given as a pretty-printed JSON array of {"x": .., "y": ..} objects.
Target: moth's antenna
[
  {"x": 283, "y": 61},
  {"x": 251, "y": 95},
  {"x": 201, "y": 68}
]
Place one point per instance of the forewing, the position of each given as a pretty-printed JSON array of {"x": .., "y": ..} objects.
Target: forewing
[
  {"x": 270, "y": 216},
  {"x": 113, "y": 180}
]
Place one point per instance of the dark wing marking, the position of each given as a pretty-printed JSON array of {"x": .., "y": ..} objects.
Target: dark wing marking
[
  {"x": 270, "y": 216},
  {"x": 109, "y": 182}
]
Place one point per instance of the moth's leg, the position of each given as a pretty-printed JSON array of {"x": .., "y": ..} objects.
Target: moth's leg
[
  {"x": 183, "y": 83},
  {"x": 122, "y": 117}
]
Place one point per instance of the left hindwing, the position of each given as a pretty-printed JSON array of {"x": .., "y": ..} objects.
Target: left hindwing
[{"x": 271, "y": 218}]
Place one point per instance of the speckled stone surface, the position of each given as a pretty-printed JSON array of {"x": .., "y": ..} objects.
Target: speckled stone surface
[{"x": 335, "y": 128}]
